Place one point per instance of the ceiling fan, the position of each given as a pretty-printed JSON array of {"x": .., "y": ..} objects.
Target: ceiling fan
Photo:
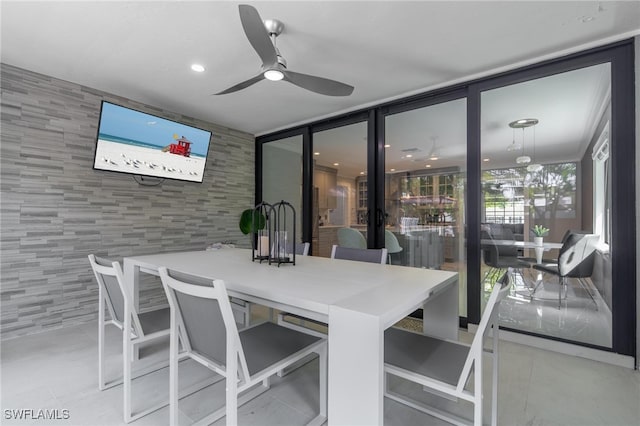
[{"x": 262, "y": 36}]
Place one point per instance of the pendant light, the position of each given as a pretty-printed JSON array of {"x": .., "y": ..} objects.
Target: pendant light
[
  {"x": 514, "y": 146},
  {"x": 534, "y": 167},
  {"x": 435, "y": 153},
  {"x": 523, "y": 123}
]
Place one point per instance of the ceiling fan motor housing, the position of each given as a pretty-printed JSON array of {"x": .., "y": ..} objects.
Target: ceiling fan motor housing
[{"x": 273, "y": 26}]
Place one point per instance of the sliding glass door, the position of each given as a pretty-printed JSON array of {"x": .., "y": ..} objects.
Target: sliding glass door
[
  {"x": 546, "y": 173},
  {"x": 425, "y": 185},
  {"x": 339, "y": 187},
  {"x": 282, "y": 176},
  {"x": 460, "y": 178}
]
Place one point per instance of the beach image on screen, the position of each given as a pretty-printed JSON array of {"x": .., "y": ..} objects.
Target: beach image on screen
[{"x": 134, "y": 142}]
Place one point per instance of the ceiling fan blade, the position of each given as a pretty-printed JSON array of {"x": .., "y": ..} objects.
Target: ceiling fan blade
[
  {"x": 324, "y": 86},
  {"x": 242, "y": 85},
  {"x": 257, "y": 34}
]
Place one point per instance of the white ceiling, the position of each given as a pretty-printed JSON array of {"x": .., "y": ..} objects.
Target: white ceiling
[
  {"x": 143, "y": 50},
  {"x": 568, "y": 107}
]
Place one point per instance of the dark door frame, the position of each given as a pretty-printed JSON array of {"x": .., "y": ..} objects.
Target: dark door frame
[{"x": 621, "y": 57}]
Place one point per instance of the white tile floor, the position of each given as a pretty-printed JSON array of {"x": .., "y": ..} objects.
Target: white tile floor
[
  {"x": 57, "y": 370},
  {"x": 576, "y": 318}
]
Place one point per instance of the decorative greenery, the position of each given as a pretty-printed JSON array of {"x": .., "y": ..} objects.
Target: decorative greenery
[
  {"x": 540, "y": 231},
  {"x": 251, "y": 220}
]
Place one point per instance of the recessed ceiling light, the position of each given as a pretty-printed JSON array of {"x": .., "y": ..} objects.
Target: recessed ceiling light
[
  {"x": 428, "y": 166},
  {"x": 361, "y": 173},
  {"x": 486, "y": 160},
  {"x": 336, "y": 164},
  {"x": 197, "y": 68},
  {"x": 387, "y": 146},
  {"x": 316, "y": 153},
  {"x": 433, "y": 157},
  {"x": 409, "y": 155},
  {"x": 393, "y": 170}
]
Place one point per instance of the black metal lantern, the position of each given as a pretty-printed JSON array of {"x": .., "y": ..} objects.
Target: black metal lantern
[
  {"x": 283, "y": 223},
  {"x": 260, "y": 232}
]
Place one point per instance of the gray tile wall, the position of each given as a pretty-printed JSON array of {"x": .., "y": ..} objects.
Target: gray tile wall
[{"x": 55, "y": 209}]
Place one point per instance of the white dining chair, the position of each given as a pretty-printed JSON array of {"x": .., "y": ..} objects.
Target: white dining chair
[
  {"x": 147, "y": 326},
  {"x": 359, "y": 255},
  {"x": 444, "y": 367},
  {"x": 151, "y": 325},
  {"x": 245, "y": 358}
]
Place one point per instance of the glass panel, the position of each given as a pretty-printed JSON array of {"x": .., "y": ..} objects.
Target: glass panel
[
  {"x": 340, "y": 185},
  {"x": 282, "y": 175},
  {"x": 545, "y": 169},
  {"x": 425, "y": 158}
]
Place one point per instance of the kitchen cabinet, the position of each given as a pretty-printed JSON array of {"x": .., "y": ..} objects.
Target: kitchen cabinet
[
  {"x": 361, "y": 185},
  {"x": 326, "y": 180},
  {"x": 361, "y": 200}
]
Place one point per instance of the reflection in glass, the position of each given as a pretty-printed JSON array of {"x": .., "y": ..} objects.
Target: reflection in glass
[
  {"x": 282, "y": 175},
  {"x": 425, "y": 161},
  {"x": 566, "y": 193},
  {"x": 340, "y": 184}
]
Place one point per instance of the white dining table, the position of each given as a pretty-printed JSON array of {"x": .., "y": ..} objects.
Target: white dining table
[{"x": 357, "y": 300}]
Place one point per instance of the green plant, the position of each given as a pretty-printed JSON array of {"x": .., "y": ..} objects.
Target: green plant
[
  {"x": 251, "y": 221},
  {"x": 540, "y": 231}
]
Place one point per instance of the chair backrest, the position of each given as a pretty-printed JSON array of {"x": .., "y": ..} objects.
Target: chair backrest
[
  {"x": 302, "y": 249},
  {"x": 360, "y": 255},
  {"x": 203, "y": 311},
  {"x": 351, "y": 238},
  {"x": 489, "y": 317},
  {"x": 391, "y": 242},
  {"x": 577, "y": 255},
  {"x": 110, "y": 277},
  {"x": 490, "y": 254}
]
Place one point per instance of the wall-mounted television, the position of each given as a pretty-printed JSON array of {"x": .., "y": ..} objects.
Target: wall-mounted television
[{"x": 138, "y": 143}]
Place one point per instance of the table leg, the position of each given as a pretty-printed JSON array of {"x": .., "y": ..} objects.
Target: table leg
[
  {"x": 356, "y": 366},
  {"x": 539, "y": 251},
  {"x": 440, "y": 317}
]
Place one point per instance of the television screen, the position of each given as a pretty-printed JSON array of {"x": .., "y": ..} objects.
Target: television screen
[{"x": 134, "y": 142}]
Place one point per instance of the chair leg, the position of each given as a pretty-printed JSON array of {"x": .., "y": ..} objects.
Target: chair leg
[
  {"x": 584, "y": 285},
  {"x": 231, "y": 382},
  {"x": 494, "y": 379},
  {"x": 539, "y": 281},
  {"x": 560, "y": 284},
  {"x": 563, "y": 283},
  {"x": 232, "y": 400},
  {"x": 173, "y": 372},
  {"x": 323, "y": 380},
  {"x": 101, "y": 326},
  {"x": 477, "y": 391}
]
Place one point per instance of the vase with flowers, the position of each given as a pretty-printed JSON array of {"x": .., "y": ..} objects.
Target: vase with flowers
[{"x": 539, "y": 233}]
